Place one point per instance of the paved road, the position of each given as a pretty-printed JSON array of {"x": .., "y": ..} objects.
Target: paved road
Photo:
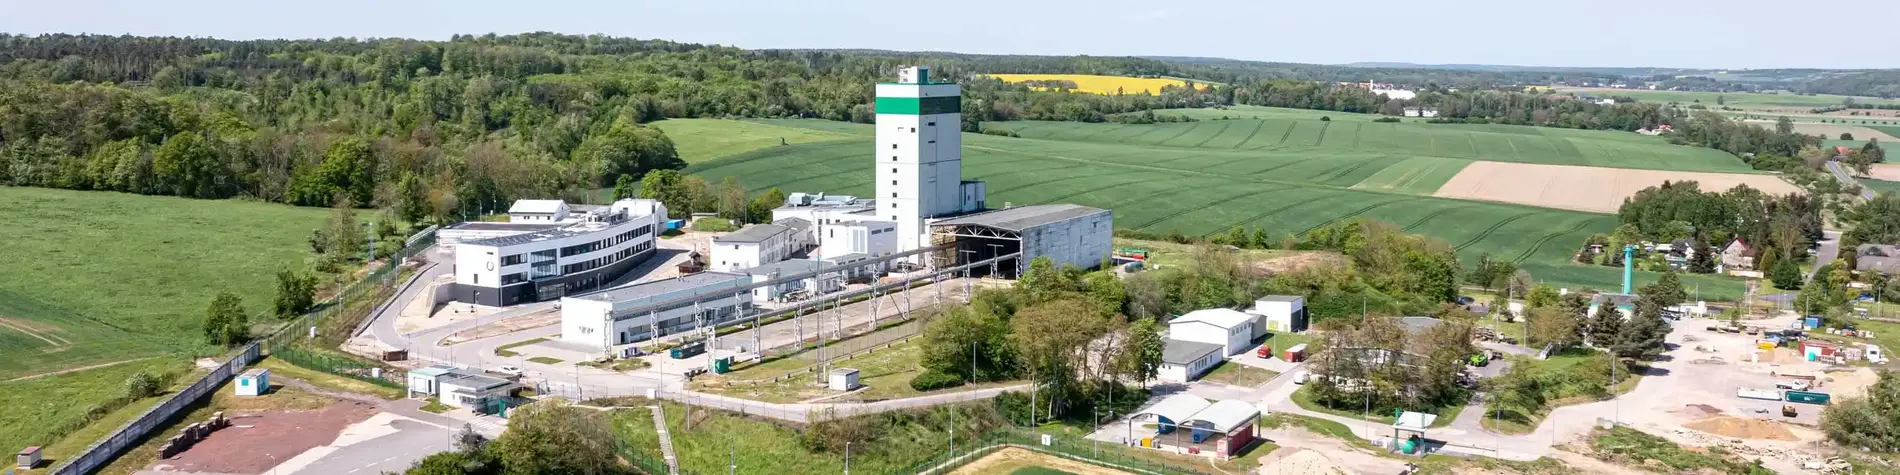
[
  {"x": 393, "y": 453},
  {"x": 1829, "y": 247},
  {"x": 1840, "y": 173}
]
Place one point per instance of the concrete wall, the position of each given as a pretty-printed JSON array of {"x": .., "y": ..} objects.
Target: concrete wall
[{"x": 129, "y": 435}]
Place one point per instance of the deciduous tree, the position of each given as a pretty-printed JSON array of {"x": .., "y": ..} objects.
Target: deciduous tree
[
  {"x": 554, "y": 436},
  {"x": 225, "y": 323}
]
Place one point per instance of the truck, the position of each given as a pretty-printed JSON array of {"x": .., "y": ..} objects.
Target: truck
[{"x": 1792, "y": 385}]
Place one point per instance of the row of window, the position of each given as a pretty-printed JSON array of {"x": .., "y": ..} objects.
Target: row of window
[
  {"x": 579, "y": 249},
  {"x": 597, "y": 262}
]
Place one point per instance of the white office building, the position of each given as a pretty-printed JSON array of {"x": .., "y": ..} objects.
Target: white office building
[
  {"x": 752, "y": 246},
  {"x": 625, "y": 315},
  {"x": 574, "y": 253}
]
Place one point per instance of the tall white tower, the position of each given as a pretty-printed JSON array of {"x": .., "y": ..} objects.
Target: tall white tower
[{"x": 919, "y": 155}]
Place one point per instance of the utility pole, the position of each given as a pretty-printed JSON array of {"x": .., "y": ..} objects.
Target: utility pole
[{"x": 847, "y": 458}]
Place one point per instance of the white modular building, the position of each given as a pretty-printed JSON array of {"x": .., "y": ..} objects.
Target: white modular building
[
  {"x": 761, "y": 244},
  {"x": 538, "y": 211},
  {"x": 576, "y": 254},
  {"x": 625, "y": 315},
  {"x": 1229, "y": 328},
  {"x": 871, "y": 238}
]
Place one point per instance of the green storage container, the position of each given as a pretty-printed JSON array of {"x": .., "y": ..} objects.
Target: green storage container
[
  {"x": 1805, "y": 397},
  {"x": 722, "y": 365}
]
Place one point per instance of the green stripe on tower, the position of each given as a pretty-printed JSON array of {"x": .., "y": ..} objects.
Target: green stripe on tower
[{"x": 919, "y": 106}]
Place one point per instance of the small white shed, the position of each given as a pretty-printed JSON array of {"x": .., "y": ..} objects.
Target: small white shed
[
  {"x": 253, "y": 382},
  {"x": 844, "y": 379}
]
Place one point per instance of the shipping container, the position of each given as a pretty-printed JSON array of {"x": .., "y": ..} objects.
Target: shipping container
[
  {"x": 688, "y": 350},
  {"x": 1805, "y": 397},
  {"x": 1296, "y": 354}
]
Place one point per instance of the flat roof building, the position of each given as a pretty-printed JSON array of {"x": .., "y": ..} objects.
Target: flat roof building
[
  {"x": 533, "y": 261},
  {"x": 625, "y": 315}
]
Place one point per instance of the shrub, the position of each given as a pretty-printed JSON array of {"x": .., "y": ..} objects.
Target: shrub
[
  {"x": 1324, "y": 118},
  {"x": 931, "y": 380},
  {"x": 141, "y": 385},
  {"x": 1386, "y": 119}
]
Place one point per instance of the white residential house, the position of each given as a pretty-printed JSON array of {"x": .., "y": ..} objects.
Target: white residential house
[
  {"x": 1420, "y": 112},
  {"x": 1229, "y": 328},
  {"x": 1737, "y": 256}
]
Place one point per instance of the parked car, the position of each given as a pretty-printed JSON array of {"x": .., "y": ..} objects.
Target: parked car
[
  {"x": 1300, "y": 377},
  {"x": 509, "y": 370}
]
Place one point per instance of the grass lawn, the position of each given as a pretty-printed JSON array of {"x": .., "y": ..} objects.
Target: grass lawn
[
  {"x": 1283, "y": 340},
  {"x": 508, "y": 349},
  {"x": 1239, "y": 375},
  {"x": 767, "y": 448},
  {"x": 435, "y": 407},
  {"x": 1165, "y": 254},
  {"x": 94, "y": 258},
  {"x": 326, "y": 380},
  {"x": 545, "y": 360},
  {"x": 713, "y": 225},
  {"x": 699, "y": 140},
  {"x": 1575, "y": 389},
  {"x": 1038, "y": 470},
  {"x": 51, "y": 411},
  {"x": 885, "y": 374},
  {"x": 1317, "y": 425},
  {"x": 1304, "y": 398}
]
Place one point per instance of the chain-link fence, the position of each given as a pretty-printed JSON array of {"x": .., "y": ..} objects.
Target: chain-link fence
[
  {"x": 340, "y": 365},
  {"x": 305, "y": 341}
]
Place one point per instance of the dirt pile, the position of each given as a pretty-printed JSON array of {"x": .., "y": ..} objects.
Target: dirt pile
[
  {"x": 1699, "y": 411},
  {"x": 1846, "y": 384},
  {"x": 1740, "y": 428},
  {"x": 1304, "y": 462}
]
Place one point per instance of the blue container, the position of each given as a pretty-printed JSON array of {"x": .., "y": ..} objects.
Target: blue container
[
  {"x": 675, "y": 223},
  {"x": 1812, "y": 322}
]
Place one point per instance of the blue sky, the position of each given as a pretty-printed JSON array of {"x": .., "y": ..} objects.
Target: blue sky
[{"x": 1667, "y": 33}]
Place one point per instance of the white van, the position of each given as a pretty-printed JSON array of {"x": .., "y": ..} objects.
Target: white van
[{"x": 1874, "y": 356}]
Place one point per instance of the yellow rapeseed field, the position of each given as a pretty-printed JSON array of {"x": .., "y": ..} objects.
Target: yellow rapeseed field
[{"x": 1099, "y": 84}]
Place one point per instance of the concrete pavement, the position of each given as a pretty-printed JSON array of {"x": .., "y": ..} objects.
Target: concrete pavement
[{"x": 1829, "y": 247}]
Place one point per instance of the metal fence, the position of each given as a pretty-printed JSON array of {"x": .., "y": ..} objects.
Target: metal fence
[
  {"x": 965, "y": 451},
  {"x": 339, "y": 316},
  {"x": 131, "y": 433}
]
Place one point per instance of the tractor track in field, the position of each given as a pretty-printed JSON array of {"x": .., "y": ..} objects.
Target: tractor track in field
[
  {"x": 1287, "y": 134},
  {"x": 1177, "y": 135},
  {"x": 1494, "y": 228},
  {"x": 1172, "y": 160},
  {"x": 1045, "y": 182},
  {"x": 1256, "y": 131},
  {"x": 1223, "y": 129},
  {"x": 1349, "y": 171},
  {"x": 1328, "y": 172},
  {"x": 1351, "y": 215},
  {"x": 1092, "y": 190},
  {"x": 1218, "y": 202},
  {"x": 1100, "y": 132},
  {"x": 1230, "y": 162},
  {"x": 1323, "y": 126},
  {"x": 1275, "y": 167},
  {"x": 1274, "y": 211},
  {"x": 1434, "y": 214},
  {"x": 1541, "y": 241},
  {"x": 753, "y": 156},
  {"x": 1356, "y": 129}
]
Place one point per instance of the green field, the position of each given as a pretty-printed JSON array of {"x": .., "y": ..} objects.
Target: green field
[
  {"x": 42, "y": 410},
  {"x": 699, "y": 140},
  {"x": 1199, "y": 191},
  {"x": 1384, "y": 144},
  {"x": 1732, "y": 99},
  {"x": 1259, "y": 112},
  {"x": 1891, "y": 148},
  {"x": 97, "y": 277},
  {"x": 1880, "y": 186},
  {"x": 1887, "y": 129}
]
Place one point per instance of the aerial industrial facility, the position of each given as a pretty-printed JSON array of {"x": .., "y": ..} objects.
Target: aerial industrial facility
[{"x": 924, "y": 215}]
